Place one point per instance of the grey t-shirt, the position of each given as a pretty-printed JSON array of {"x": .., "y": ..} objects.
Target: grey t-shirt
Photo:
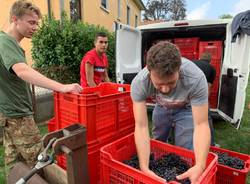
[{"x": 191, "y": 88}]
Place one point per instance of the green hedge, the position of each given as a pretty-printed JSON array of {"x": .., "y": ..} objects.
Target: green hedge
[{"x": 58, "y": 48}]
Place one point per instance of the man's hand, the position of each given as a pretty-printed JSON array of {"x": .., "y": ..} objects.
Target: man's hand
[
  {"x": 193, "y": 174},
  {"x": 153, "y": 175},
  {"x": 71, "y": 88}
]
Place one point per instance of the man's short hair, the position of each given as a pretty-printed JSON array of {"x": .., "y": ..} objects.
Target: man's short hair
[
  {"x": 22, "y": 7},
  {"x": 101, "y": 34},
  {"x": 164, "y": 58},
  {"x": 206, "y": 56}
]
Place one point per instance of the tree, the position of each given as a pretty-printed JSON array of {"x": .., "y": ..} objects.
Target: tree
[
  {"x": 226, "y": 16},
  {"x": 165, "y": 10},
  {"x": 177, "y": 9},
  {"x": 156, "y": 10}
]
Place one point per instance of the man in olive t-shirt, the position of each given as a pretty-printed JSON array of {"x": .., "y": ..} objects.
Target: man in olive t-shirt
[
  {"x": 16, "y": 106},
  {"x": 22, "y": 140},
  {"x": 15, "y": 93}
]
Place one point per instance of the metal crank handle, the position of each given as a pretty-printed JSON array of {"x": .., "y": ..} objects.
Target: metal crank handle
[{"x": 27, "y": 177}]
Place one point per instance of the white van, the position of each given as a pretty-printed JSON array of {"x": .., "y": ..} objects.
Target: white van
[{"x": 232, "y": 59}]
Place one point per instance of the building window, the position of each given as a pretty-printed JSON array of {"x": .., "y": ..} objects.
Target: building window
[
  {"x": 128, "y": 15},
  {"x": 104, "y": 4},
  {"x": 119, "y": 8},
  {"x": 75, "y": 10},
  {"x": 136, "y": 20}
]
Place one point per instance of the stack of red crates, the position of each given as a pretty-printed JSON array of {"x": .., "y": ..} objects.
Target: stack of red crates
[
  {"x": 228, "y": 175},
  {"x": 188, "y": 47},
  {"x": 114, "y": 171},
  {"x": 107, "y": 113},
  {"x": 215, "y": 48}
]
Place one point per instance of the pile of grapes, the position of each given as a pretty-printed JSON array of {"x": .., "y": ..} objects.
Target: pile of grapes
[
  {"x": 233, "y": 162},
  {"x": 167, "y": 167}
]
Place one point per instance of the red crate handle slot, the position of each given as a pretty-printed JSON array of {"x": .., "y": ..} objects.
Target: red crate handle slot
[
  {"x": 68, "y": 98},
  {"x": 210, "y": 43}
]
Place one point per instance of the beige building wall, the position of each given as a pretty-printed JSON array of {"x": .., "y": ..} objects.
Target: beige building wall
[
  {"x": 4, "y": 15},
  {"x": 94, "y": 13},
  {"x": 135, "y": 11},
  {"x": 66, "y": 6},
  {"x": 91, "y": 10},
  {"x": 55, "y": 8}
]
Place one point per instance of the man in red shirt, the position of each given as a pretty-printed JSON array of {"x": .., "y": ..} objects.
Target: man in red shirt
[{"x": 95, "y": 63}]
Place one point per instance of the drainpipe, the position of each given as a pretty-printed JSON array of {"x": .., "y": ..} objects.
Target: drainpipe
[
  {"x": 61, "y": 7},
  {"x": 49, "y": 9},
  {"x": 82, "y": 10}
]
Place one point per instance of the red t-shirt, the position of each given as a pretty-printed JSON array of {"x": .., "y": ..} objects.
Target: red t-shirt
[{"x": 100, "y": 63}]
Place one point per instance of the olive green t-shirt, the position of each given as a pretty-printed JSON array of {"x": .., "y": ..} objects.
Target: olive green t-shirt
[{"x": 15, "y": 93}]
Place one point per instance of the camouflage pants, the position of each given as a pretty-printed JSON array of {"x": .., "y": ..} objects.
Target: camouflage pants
[{"x": 22, "y": 140}]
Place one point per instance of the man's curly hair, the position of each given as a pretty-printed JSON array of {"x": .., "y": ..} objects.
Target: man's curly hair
[{"x": 164, "y": 58}]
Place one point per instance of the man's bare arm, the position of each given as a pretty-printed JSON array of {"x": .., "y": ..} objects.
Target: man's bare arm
[
  {"x": 142, "y": 139},
  {"x": 89, "y": 69},
  {"x": 201, "y": 141},
  {"x": 30, "y": 75},
  {"x": 106, "y": 77}
]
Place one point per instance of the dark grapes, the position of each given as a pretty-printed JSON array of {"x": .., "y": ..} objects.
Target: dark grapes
[
  {"x": 168, "y": 166},
  {"x": 133, "y": 162},
  {"x": 233, "y": 162}
]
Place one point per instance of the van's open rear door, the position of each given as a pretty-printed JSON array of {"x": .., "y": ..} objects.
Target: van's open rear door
[
  {"x": 234, "y": 78},
  {"x": 128, "y": 53}
]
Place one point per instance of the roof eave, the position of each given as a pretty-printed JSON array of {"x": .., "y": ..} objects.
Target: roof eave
[{"x": 140, "y": 4}]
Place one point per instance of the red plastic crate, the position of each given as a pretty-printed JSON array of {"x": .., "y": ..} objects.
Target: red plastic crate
[
  {"x": 52, "y": 125},
  {"x": 228, "y": 175},
  {"x": 213, "y": 99},
  {"x": 114, "y": 171},
  {"x": 213, "y": 47},
  {"x": 187, "y": 45},
  {"x": 105, "y": 110},
  {"x": 190, "y": 55}
]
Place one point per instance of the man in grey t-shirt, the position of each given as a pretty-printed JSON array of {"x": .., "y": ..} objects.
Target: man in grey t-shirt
[{"x": 180, "y": 91}]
